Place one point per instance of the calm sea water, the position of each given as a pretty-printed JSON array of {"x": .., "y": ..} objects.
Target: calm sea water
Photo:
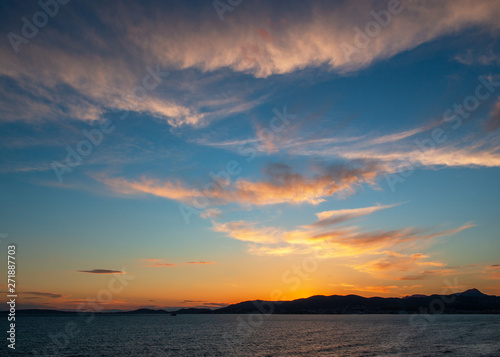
[{"x": 258, "y": 335}]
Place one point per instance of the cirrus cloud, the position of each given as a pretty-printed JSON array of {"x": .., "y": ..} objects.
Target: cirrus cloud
[{"x": 281, "y": 185}]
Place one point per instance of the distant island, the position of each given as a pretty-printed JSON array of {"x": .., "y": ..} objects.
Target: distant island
[{"x": 471, "y": 301}]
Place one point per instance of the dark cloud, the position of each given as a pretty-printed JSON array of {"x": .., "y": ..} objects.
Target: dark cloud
[
  {"x": 101, "y": 271},
  {"x": 215, "y": 304},
  {"x": 37, "y": 293},
  {"x": 192, "y": 301}
]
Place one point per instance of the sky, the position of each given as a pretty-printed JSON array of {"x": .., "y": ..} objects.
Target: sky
[{"x": 174, "y": 154}]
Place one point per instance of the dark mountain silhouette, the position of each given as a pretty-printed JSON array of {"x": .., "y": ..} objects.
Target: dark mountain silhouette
[
  {"x": 142, "y": 311},
  {"x": 471, "y": 301},
  {"x": 42, "y": 312},
  {"x": 473, "y": 292},
  {"x": 414, "y": 295},
  {"x": 193, "y": 310}
]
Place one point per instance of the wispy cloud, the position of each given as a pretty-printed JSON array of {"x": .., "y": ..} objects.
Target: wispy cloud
[
  {"x": 328, "y": 218},
  {"x": 384, "y": 289},
  {"x": 162, "y": 265},
  {"x": 248, "y": 232},
  {"x": 281, "y": 185},
  {"x": 211, "y": 213},
  {"x": 486, "y": 57},
  {"x": 43, "y": 294},
  {"x": 64, "y": 83},
  {"x": 392, "y": 151},
  {"x": 158, "y": 263},
  {"x": 492, "y": 271},
  {"x": 339, "y": 242},
  {"x": 396, "y": 266},
  {"x": 350, "y": 243},
  {"x": 493, "y": 121},
  {"x": 315, "y": 37}
]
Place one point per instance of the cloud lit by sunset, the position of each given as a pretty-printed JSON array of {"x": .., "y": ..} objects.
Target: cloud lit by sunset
[{"x": 193, "y": 158}]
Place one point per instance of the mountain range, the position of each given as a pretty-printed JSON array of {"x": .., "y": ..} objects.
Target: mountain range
[{"x": 471, "y": 301}]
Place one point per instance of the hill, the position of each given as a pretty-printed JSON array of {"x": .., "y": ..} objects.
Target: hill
[
  {"x": 467, "y": 302},
  {"x": 471, "y": 301}
]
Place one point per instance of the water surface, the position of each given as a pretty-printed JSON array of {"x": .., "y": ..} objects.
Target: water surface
[{"x": 258, "y": 335}]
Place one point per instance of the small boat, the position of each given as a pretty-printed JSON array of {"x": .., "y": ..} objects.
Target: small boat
[{"x": 173, "y": 314}]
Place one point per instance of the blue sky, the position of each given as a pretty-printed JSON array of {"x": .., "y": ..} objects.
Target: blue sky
[{"x": 367, "y": 156}]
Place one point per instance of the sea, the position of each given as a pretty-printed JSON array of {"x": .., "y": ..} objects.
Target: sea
[{"x": 255, "y": 335}]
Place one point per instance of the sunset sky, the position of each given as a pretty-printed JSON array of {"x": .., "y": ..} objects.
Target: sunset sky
[{"x": 202, "y": 153}]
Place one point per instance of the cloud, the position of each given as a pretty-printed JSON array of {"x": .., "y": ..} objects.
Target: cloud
[
  {"x": 356, "y": 242},
  {"x": 339, "y": 242},
  {"x": 395, "y": 152},
  {"x": 26, "y": 168},
  {"x": 493, "y": 121},
  {"x": 392, "y": 154},
  {"x": 327, "y": 218},
  {"x": 385, "y": 289},
  {"x": 372, "y": 289},
  {"x": 205, "y": 304},
  {"x": 428, "y": 274},
  {"x": 491, "y": 271},
  {"x": 271, "y": 39},
  {"x": 101, "y": 271},
  {"x": 485, "y": 58},
  {"x": 396, "y": 266},
  {"x": 247, "y": 232},
  {"x": 85, "y": 72},
  {"x": 276, "y": 250},
  {"x": 280, "y": 185},
  {"x": 42, "y": 294},
  {"x": 391, "y": 138},
  {"x": 158, "y": 263},
  {"x": 211, "y": 213},
  {"x": 192, "y": 301},
  {"x": 163, "y": 265},
  {"x": 66, "y": 85},
  {"x": 286, "y": 186},
  {"x": 215, "y": 304},
  {"x": 174, "y": 190},
  {"x": 475, "y": 155}
]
